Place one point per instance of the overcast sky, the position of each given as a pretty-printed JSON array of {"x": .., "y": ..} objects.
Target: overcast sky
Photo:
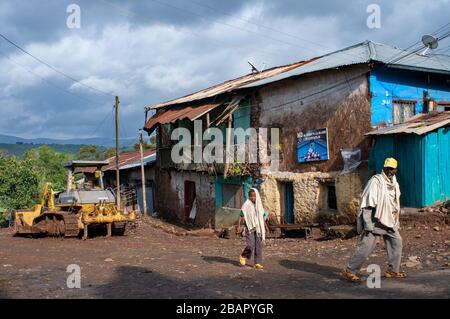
[{"x": 156, "y": 50}]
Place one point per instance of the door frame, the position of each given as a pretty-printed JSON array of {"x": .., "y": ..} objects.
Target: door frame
[{"x": 288, "y": 196}]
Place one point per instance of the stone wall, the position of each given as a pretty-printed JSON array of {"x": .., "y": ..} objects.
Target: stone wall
[{"x": 310, "y": 194}]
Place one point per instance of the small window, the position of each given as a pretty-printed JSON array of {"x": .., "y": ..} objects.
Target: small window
[
  {"x": 232, "y": 196},
  {"x": 403, "y": 110}
]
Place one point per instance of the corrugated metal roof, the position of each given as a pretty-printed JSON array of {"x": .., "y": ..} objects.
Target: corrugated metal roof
[
  {"x": 171, "y": 115},
  {"x": 147, "y": 160},
  {"x": 419, "y": 124},
  {"x": 231, "y": 85},
  {"x": 127, "y": 158},
  {"x": 82, "y": 163},
  {"x": 363, "y": 52}
]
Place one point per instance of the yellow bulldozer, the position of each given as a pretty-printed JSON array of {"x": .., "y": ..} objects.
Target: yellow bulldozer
[{"x": 84, "y": 204}]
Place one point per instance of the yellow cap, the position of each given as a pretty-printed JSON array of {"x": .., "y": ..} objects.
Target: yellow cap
[{"x": 390, "y": 162}]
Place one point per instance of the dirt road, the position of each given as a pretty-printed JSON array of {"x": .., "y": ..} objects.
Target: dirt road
[{"x": 151, "y": 263}]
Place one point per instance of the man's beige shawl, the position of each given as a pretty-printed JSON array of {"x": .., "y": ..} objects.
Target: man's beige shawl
[{"x": 384, "y": 195}]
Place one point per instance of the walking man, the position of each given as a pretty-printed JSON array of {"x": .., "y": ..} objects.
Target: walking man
[{"x": 379, "y": 217}]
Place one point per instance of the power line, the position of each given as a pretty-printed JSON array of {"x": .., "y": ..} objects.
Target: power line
[
  {"x": 131, "y": 13},
  {"x": 440, "y": 29},
  {"x": 105, "y": 119},
  {"x": 444, "y": 36},
  {"x": 443, "y": 49},
  {"x": 394, "y": 59},
  {"x": 230, "y": 25},
  {"x": 286, "y": 33},
  {"x": 246, "y": 30},
  {"x": 261, "y": 26},
  {"x": 53, "y": 68},
  {"x": 50, "y": 82}
]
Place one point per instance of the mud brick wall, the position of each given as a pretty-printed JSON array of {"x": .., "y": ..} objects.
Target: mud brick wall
[
  {"x": 295, "y": 106},
  {"x": 170, "y": 196}
]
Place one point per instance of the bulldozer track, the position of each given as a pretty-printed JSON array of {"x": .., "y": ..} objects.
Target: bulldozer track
[
  {"x": 119, "y": 228},
  {"x": 71, "y": 225}
]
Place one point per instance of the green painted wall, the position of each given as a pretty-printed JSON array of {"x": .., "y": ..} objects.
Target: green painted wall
[
  {"x": 227, "y": 217},
  {"x": 241, "y": 116}
]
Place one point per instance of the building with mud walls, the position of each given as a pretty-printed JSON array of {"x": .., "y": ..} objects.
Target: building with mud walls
[{"x": 313, "y": 151}]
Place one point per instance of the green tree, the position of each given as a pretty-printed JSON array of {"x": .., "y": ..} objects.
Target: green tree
[
  {"x": 146, "y": 145},
  {"x": 153, "y": 139},
  {"x": 109, "y": 152},
  {"x": 49, "y": 166},
  {"x": 19, "y": 184},
  {"x": 95, "y": 153},
  {"x": 88, "y": 153}
]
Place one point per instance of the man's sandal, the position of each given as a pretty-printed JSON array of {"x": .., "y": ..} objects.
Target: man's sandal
[
  {"x": 393, "y": 274},
  {"x": 350, "y": 276}
]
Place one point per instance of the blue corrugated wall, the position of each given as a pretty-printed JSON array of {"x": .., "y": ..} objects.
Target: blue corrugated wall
[
  {"x": 437, "y": 166},
  {"x": 424, "y": 165}
]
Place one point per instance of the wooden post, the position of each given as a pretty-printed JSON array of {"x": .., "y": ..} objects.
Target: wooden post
[
  {"x": 144, "y": 199},
  {"x": 69, "y": 180},
  {"x": 227, "y": 145},
  {"x": 117, "y": 155}
]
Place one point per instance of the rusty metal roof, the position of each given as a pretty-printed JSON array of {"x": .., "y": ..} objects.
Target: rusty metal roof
[
  {"x": 363, "y": 52},
  {"x": 231, "y": 85},
  {"x": 171, "y": 115},
  {"x": 127, "y": 158},
  {"x": 419, "y": 124}
]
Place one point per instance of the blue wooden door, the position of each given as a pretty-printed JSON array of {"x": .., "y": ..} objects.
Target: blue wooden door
[
  {"x": 149, "y": 194},
  {"x": 289, "y": 203}
]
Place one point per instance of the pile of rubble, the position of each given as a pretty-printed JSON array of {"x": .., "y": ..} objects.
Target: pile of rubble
[
  {"x": 440, "y": 207},
  {"x": 178, "y": 230},
  {"x": 435, "y": 215}
]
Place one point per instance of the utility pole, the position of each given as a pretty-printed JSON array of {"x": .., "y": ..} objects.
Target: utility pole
[
  {"x": 117, "y": 154},
  {"x": 144, "y": 198}
]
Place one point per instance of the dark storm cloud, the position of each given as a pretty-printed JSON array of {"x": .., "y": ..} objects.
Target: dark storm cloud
[{"x": 156, "y": 50}]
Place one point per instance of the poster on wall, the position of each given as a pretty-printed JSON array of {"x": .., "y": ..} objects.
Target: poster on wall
[{"x": 312, "y": 146}]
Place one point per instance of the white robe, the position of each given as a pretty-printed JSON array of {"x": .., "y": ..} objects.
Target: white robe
[
  {"x": 254, "y": 215},
  {"x": 383, "y": 195}
]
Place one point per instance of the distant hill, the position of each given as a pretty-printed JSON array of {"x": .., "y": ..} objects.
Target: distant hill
[
  {"x": 100, "y": 141},
  {"x": 20, "y": 149}
]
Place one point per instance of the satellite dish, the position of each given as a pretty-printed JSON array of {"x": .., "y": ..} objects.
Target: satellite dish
[{"x": 430, "y": 42}]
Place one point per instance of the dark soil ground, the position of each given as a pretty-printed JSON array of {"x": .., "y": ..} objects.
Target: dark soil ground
[{"x": 152, "y": 263}]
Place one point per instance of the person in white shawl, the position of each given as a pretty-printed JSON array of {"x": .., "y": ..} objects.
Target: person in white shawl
[
  {"x": 254, "y": 215},
  {"x": 379, "y": 217}
]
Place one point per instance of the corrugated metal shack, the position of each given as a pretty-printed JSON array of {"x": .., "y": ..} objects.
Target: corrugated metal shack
[
  {"x": 130, "y": 176},
  {"x": 422, "y": 147}
]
